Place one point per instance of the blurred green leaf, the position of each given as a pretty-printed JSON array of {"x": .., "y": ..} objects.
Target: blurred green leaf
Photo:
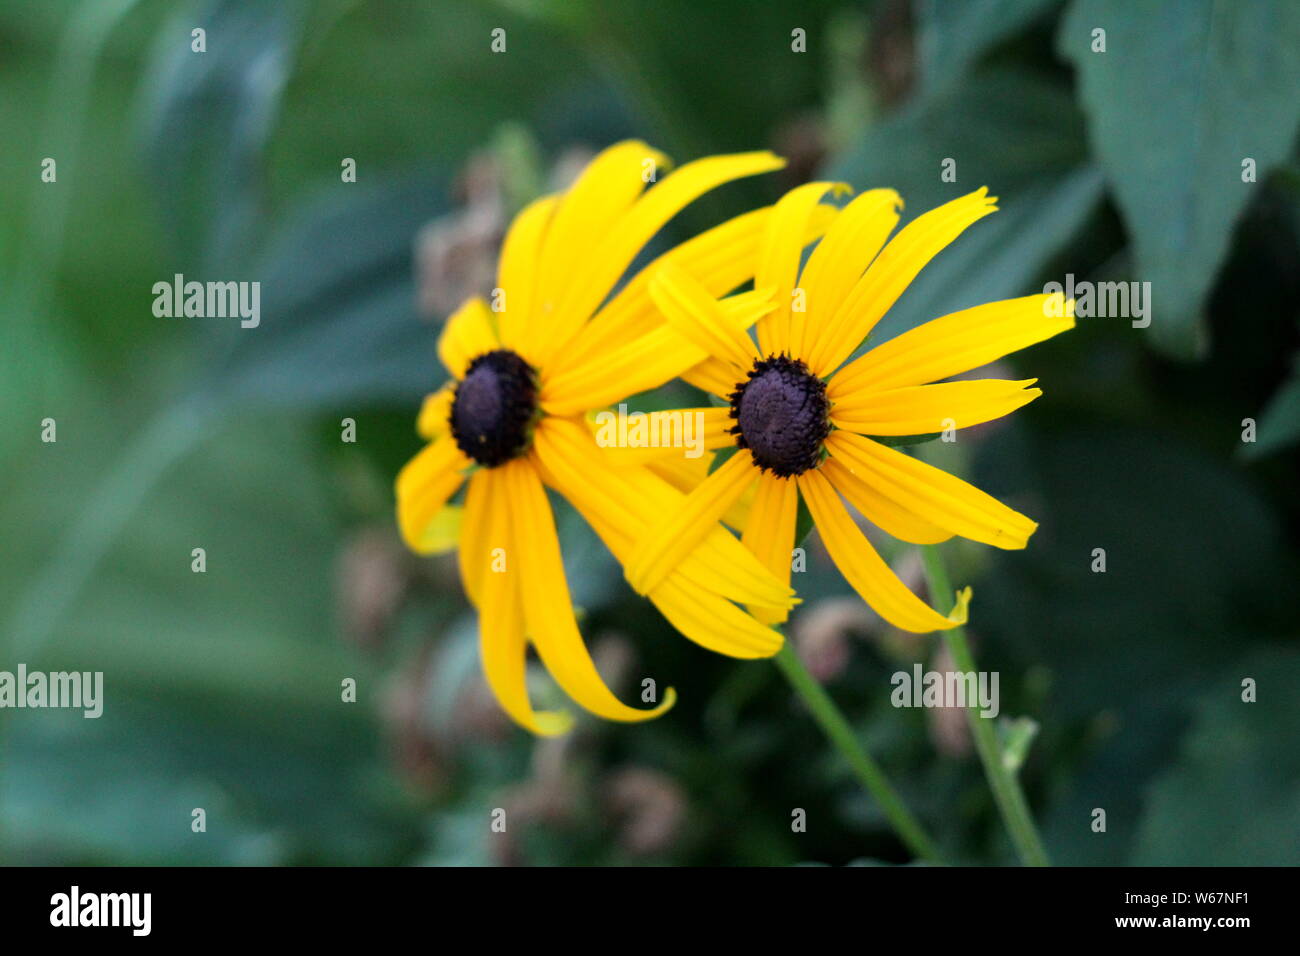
[
  {"x": 1233, "y": 796},
  {"x": 1045, "y": 191},
  {"x": 1279, "y": 426},
  {"x": 951, "y": 37},
  {"x": 1185, "y": 92}
]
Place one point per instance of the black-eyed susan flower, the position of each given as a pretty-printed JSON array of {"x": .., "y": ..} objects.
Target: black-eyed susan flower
[
  {"x": 525, "y": 371},
  {"x": 806, "y": 423}
]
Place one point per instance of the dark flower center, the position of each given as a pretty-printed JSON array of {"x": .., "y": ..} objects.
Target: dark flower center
[
  {"x": 493, "y": 412},
  {"x": 781, "y": 415}
]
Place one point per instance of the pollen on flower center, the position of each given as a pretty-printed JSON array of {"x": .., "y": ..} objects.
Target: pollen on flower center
[
  {"x": 781, "y": 414},
  {"x": 493, "y": 412}
]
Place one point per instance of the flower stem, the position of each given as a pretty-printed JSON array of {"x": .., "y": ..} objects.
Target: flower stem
[
  {"x": 840, "y": 733},
  {"x": 1002, "y": 780}
]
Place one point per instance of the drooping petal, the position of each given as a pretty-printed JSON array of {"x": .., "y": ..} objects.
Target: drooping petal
[
  {"x": 548, "y": 608},
  {"x": 632, "y": 499},
  {"x": 503, "y": 646},
  {"x": 769, "y": 533},
  {"x": 931, "y": 493},
  {"x": 891, "y": 273},
  {"x": 885, "y": 514},
  {"x": 677, "y": 534},
  {"x": 480, "y": 538},
  {"x": 926, "y": 409},
  {"x": 467, "y": 335},
  {"x": 781, "y": 254},
  {"x": 865, "y": 570},
  {"x": 954, "y": 344},
  {"x": 423, "y": 486}
]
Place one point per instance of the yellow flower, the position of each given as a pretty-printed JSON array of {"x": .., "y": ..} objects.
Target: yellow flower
[
  {"x": 804, "y": 420},
  {"x": 525, "y": 371}
]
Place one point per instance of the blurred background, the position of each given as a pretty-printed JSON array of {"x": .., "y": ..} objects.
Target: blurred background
[{"x": 1121, "y": 689}]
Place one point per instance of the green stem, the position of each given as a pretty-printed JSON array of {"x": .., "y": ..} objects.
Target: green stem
[
  {"x": 1002, "y": 780},
  {"x": 839, "y": 733}
]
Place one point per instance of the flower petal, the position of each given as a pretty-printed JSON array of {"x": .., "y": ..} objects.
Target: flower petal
[
  {"x": 467, "y": 334},
  {"x": 517, "y": 274},
  {"x": 548, "y": 608},
  {"x": 931, "y": 493},
  {"x": 435, "y": 413},
  {"x": 853, "y": 240},
  {"x": 632, "y": 499},
  {"x": 640, "y": 223},
  {"x": 954, "y": 344},
  {"x": 889, "y": 517},
  {"x": 677, "y": 534},
  {"x": 583, "y": 223},
  {"x": 699, "y": 318},
  {"x": 781, "y": 254},
  {"x": 480, "y": 537},
  {"x": 769, "y": 533},
  {"x": 863, "y": 568},
  {"x": 503, "y": 647},
  {"x": 926, "y": 409},
  {"x": 891, "y": 273},
  {"x": 423, "y": 487}
]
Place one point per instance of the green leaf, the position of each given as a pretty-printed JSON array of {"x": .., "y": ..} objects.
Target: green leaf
[
  {"x": 1045, "y": 193},
  {"x": 1184, "y": 93},
  {"x": 1279, "y": 426},
  {"x": 903, "y": 441},
  {"x": 1234, "y": 786},
  {"x": 951, "y": 37}
]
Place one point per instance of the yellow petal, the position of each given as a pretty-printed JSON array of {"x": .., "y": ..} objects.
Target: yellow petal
[
  {"x": 467, "y": 335},
  {"x": 720, "y": 259},
  {"x": 435, "y": 413},
  {"x": 885, "y": 514},
  {"x": 631, "y": 500},
  {"x": 865, "y": 570},
  {"x": 930, "y": 493},
  {"x": 684, "y": 434},
  {"x": 679, "y": 533},
  {"x": 891, "y": 273},
  {"x": 955, "y": 343},
  {"x": 423, "y": 487},
  {"x": 480, "y": 538},
  {"x": 548, "y": 609},
  {"x": 853, "y": 240},
  {"x": 503, "y": 646},
  {"x": 582, "y": 225},
  {"x": 700, "y": 614},
  {"x": 699, "y": 318},
  {"x": 769, "y": 533},
  {"x": 711, "y": 622},
  {"x": 715, "y": 376},
  {"x": 642, "y": 221},
  {"x": 781, "y": 254},
  {"x": 926, "y": 409},
  {"x": 443, "y": 532},
  {"x": 517, "y": 274}
]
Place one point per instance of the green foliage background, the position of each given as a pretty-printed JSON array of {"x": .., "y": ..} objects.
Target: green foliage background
[{"x": 223, "y": 688}]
